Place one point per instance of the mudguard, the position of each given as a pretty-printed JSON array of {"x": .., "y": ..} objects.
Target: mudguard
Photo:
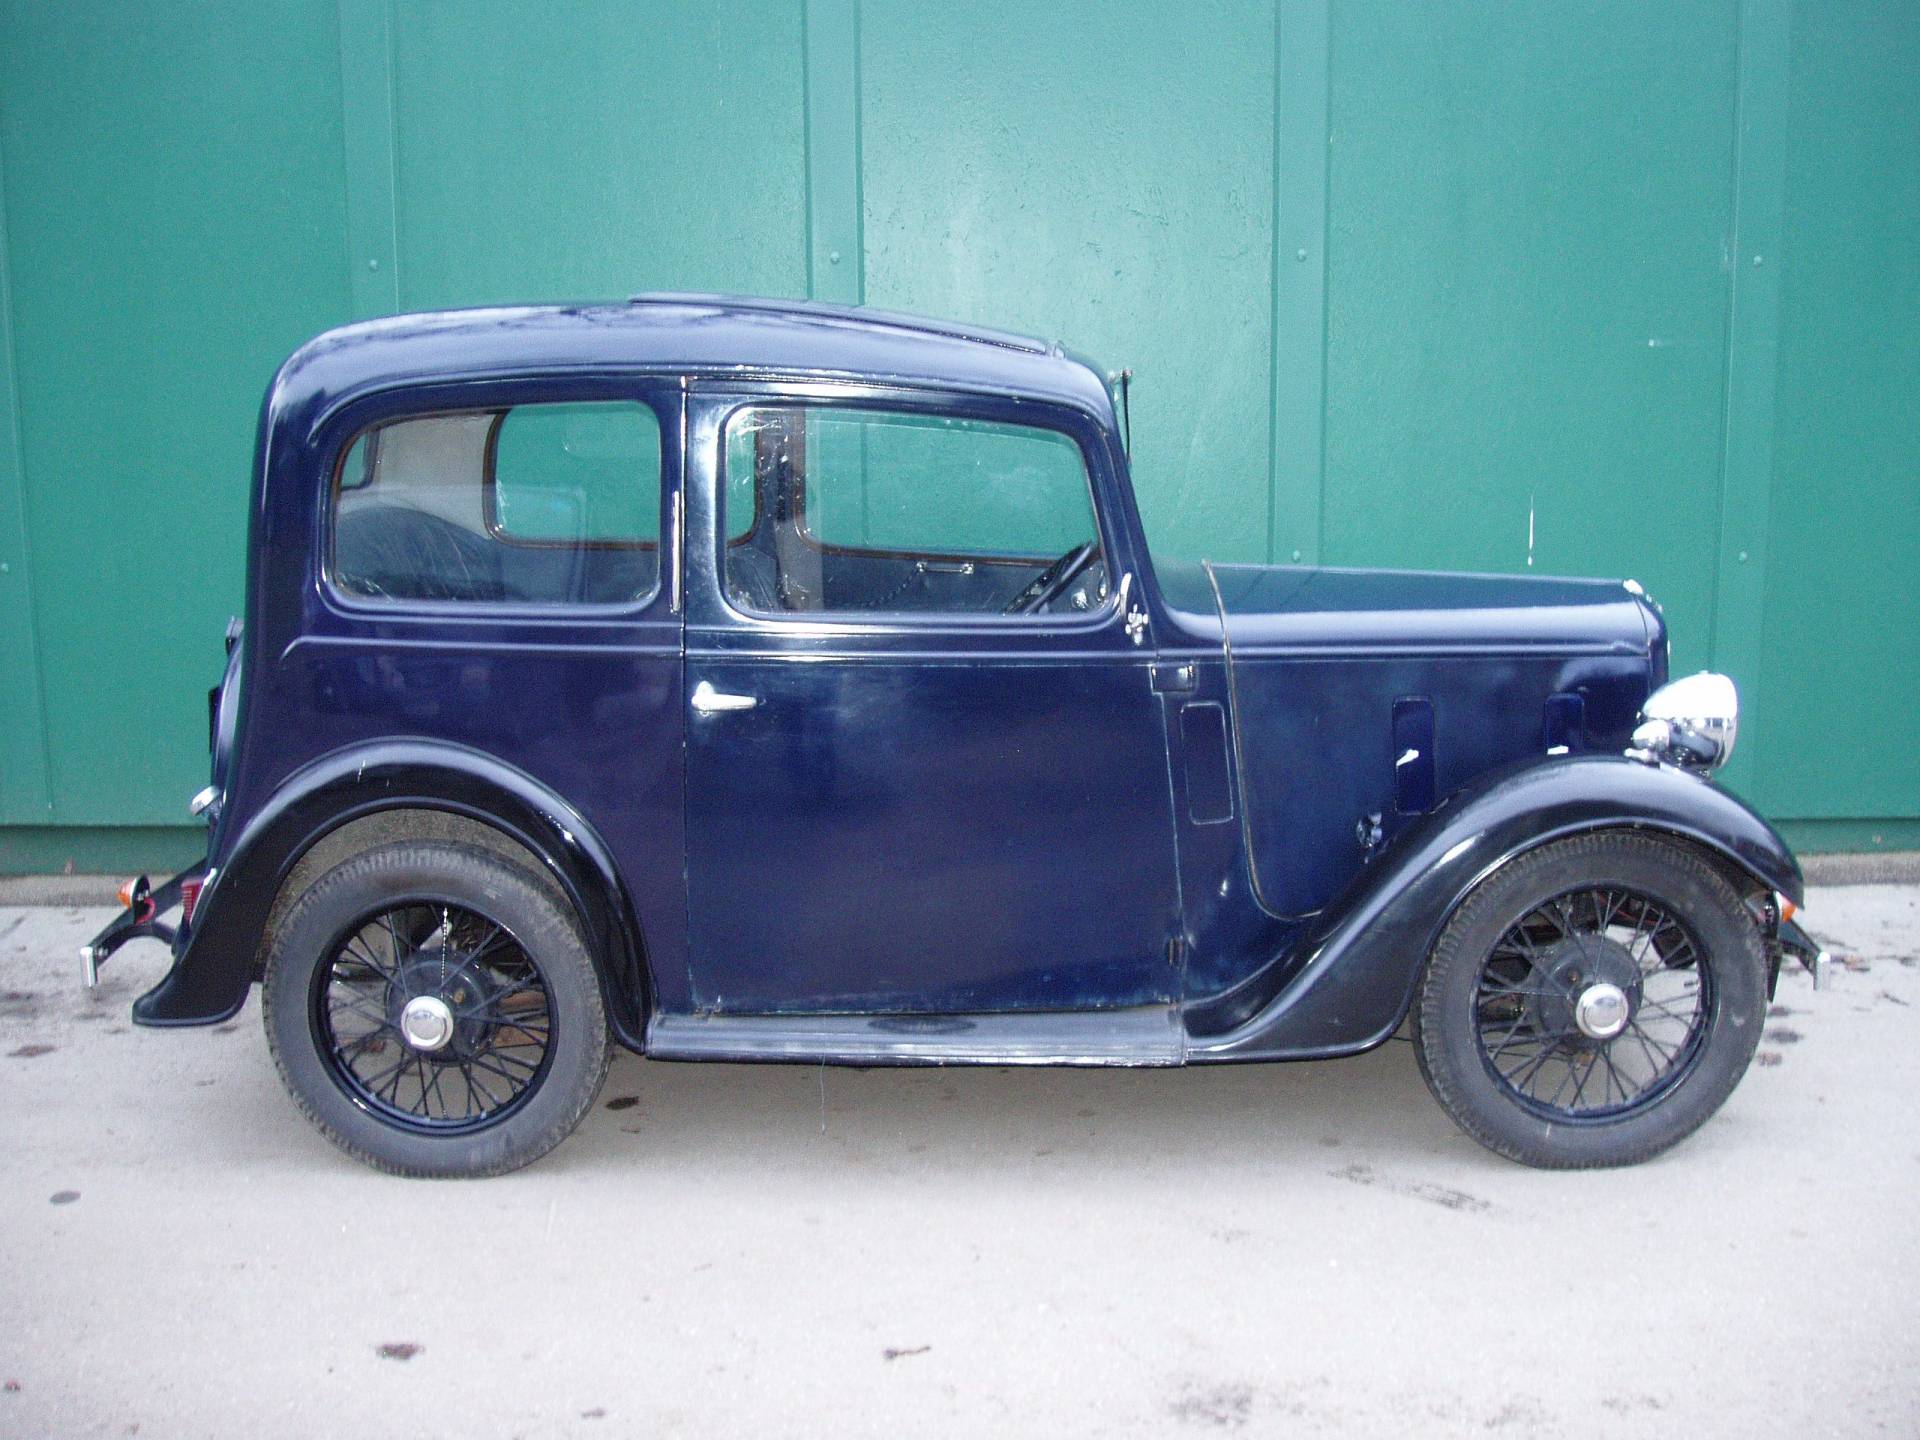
[
  {"x": 1347, "y": 985},
  {"x": 216, "y": 959}
]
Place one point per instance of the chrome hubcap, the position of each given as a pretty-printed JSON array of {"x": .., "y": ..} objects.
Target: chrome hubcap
[
  {"x": 1602, "y": 1011},
  {"x": 427, "y": 1022}
]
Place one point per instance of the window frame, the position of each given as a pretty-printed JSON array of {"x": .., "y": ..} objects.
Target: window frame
[
  {"x": 934, "y": 404},
  {"x": 549, "y": 393},
  {"x": 367, "y": 467}
]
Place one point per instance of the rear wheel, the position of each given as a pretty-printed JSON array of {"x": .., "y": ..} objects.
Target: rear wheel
[
  {"x": 433, "y": 1010},
  {"x": 1593, "y": 1002}
]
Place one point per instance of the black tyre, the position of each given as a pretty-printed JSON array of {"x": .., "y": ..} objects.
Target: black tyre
[
  {"x": 1592, "y": 1002},
  {"x": 433, "y": 1010}
]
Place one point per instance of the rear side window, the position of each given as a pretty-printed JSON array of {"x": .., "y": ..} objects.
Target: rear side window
[{"x": 536, "y": 504}]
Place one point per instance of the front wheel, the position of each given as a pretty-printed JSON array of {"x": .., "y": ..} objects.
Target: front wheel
[
  {"x": 433, "y": 1010},
  {"x": 1593, "y": 1002}
]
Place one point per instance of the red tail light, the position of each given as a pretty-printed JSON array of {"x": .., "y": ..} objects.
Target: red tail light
[{"x": 189, "y": 893}]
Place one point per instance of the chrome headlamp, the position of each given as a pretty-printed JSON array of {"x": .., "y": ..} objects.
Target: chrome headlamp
[{"x": 1691, "y": 723}]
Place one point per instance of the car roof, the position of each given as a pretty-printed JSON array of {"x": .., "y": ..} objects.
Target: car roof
[{"x": 719, "y": 335}]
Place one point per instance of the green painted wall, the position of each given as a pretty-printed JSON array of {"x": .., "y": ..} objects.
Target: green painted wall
[{"x": 1630, "y": 290}]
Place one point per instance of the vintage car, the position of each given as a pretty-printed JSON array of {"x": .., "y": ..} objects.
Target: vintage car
[{"x": 738, "y": 679}]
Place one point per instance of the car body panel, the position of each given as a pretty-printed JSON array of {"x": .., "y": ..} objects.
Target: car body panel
[
  {"x": 1326, "y": 666},
  {"x": 217, "y": 955},
  {"x": 690, "y": 335},
  {"x": 910, "y": 834},
  {"x": 1333, "y": 611},
  {"x": 964, "y": 816},
  {"x": 323, "y": 675},
  {"x": 1343, "y": 982}
]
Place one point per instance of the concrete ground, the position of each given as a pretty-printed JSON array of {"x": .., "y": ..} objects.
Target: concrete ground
[{"x": 725, "y": 1250}]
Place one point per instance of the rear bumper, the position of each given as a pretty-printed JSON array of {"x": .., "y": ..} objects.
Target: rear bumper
[
  {"x": 139, "y": 921},
  {"x": 1803, "y": 947}
]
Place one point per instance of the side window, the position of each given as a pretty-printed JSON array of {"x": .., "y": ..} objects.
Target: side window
[
  {"x": 537, "y": 504},
  {"x": 898, "y": 511},
  {"x": 565, "y": 475}
]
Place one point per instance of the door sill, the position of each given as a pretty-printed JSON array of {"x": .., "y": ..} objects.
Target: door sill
[{"x": 1149, "y": 1035}]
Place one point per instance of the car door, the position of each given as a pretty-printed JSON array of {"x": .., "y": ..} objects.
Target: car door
[{"x": 900, "y": 798}]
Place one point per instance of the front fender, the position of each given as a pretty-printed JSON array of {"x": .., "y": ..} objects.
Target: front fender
[
  {"x": 217, "y": 958},
  {"x": 1346, "y": 987}
]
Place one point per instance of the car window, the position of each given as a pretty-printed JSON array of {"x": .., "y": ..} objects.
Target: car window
[
  {"x": 742, "y": 501},
  {"x": 564, "y": 474},
  {"x": 901, "y": 511},
  {"x": 536, "y": 504}
]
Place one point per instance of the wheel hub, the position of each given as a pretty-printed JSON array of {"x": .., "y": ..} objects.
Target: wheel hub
[
  {"x": 1590, "y": 992},
  {"x": 1602, "y": 1011},
  {"x": 427, "y": 1022},
  {"x": 437, "y": 1006}
]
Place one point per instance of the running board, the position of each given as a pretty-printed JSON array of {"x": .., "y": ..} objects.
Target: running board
[{"x": 1148, "y": 1036}]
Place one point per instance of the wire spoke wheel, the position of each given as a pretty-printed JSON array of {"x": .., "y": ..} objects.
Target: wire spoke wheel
[
  {"x": 1593, "y": 1004},
  {"x": 1594, "y": 1000},
  {"x": 434, "y": 1010},
  {"x": 433, "y": 1016}
]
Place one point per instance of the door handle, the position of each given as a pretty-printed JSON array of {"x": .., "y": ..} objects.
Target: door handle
[{"x": 709, "y": 701}]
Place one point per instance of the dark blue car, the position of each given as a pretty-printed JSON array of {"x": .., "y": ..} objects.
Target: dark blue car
[{"x": 753, "y": 680}]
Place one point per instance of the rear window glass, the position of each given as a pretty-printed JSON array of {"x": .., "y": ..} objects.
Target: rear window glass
[{"x": 537, "y": 504}]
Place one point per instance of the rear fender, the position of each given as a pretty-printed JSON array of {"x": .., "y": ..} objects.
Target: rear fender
[
  {"x": 218, "y": 956},
  {"x": 1346, "y": 987}
]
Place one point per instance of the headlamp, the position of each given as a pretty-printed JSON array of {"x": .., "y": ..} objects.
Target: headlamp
[{"x": 1691, "y": 723}]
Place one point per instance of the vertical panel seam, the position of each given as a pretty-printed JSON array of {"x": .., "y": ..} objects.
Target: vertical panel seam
[
  {"x": 1296, "y": 489},
  {"x": 370, "y": 140},
  {"x": 807, "y": 145},
  {"x": 1273, "y": 304},
  {"x": 37, "y": 784},
  {"x": 1325, "y": 263},
  {"x": 831, "y": 143},
  {"x": 389, "y": 95},
  {"x": 1727, "y": 333},
  {"x": 858, "y": 118},
  {"x": 1752, "y": 354}
]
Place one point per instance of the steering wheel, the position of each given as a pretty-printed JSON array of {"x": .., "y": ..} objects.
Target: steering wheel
[{"x": 1051, "y": 583}]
